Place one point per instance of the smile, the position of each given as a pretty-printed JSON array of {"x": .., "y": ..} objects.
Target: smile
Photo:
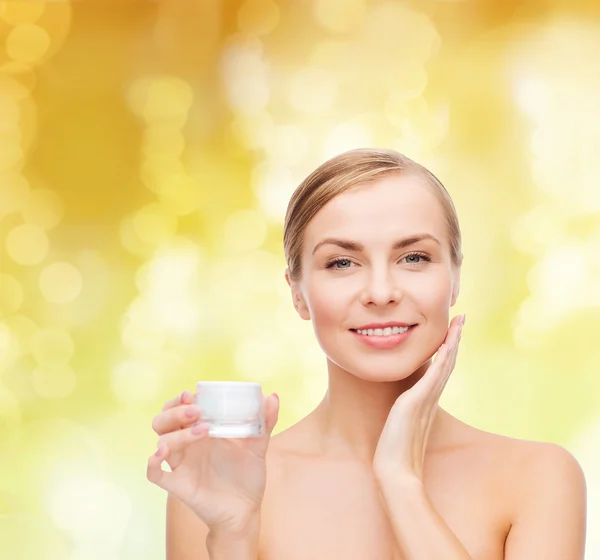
[
  {"x": 383, "y": 339},
  {"x": 382, "y": 332}
]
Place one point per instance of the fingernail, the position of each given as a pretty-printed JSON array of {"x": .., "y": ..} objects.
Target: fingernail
[
  {"x": 191, "y": 412},
  {"x": 198, "y": 429}
]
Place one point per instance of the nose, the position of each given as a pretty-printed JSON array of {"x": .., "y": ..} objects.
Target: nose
[{"x": 380, "y": 289}]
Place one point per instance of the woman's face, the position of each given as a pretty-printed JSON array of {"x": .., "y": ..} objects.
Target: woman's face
[{"x": 378, "y": 280}]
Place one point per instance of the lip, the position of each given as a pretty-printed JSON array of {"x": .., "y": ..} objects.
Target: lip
[
  {"x": 384, "y": 342},
  {"x": 382, "y": 325}
]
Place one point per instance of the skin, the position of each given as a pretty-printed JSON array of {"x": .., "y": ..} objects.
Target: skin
[{"x": 378, "y": 469}]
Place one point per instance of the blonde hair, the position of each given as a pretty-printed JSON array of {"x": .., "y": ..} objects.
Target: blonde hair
[{"x": 347, "y": 170}]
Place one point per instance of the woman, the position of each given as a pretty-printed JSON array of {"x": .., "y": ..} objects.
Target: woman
[{"x": 378, "y": 470}]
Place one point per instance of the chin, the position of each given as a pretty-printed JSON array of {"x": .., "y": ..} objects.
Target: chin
[{"x": 382, "y": 370}]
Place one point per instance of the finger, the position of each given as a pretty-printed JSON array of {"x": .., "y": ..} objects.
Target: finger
[
  {"x": 154, "y": 472},
  {"x": 428, "y": 388},
  {"x": 452, "y": 358},
  {"x": 271, "y": 412},
  {"x": 176, "y": 418},
  {"x": 180, "y": 439},
  {"x": 185, "y": 398},
  {"x": 449, "y": 362}
]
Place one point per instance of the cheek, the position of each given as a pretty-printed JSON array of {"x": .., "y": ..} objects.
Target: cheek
[
  {"x": 433, "y": 294},
  {"x": 327, "y": 303}
]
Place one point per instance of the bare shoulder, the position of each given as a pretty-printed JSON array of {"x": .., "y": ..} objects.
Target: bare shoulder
[
  {"x": 547, "y": 495},
  {"x": 544, "y": 491},
  {"x": 523, "y": 461}
]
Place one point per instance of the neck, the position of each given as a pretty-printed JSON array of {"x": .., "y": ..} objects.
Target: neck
[{"x": 351, "y": 416}]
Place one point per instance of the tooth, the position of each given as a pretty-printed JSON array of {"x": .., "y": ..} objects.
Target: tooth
[
  {"x": 387, "y": 331},
  {"x": 370, "y": 332},
  {"x": 378, "y": 332}
]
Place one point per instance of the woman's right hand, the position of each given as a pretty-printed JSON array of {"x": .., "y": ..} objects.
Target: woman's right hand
[{"x": 222, "y": 480}]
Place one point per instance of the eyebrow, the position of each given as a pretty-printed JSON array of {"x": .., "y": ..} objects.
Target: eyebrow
[{"x": 350, "y": 245}]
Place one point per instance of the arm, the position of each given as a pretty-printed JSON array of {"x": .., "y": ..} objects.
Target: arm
[
  {"x": 188, "y": 538},
  {"x": 242, "y": 545},
  {"x": 551, "y": 518},
  {"x": 420, "y": 531},
  {"x": 186, "y": 532}
]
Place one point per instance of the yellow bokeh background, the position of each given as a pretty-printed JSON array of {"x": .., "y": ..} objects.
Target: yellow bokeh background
[{"x": 148, "y": 152}]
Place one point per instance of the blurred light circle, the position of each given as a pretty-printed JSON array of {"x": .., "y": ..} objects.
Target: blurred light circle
[
  {"x": 11, "y": 154},
  {"x": 396, "y": 27},
  {"x": 27, "y": 42},
  {"x": 140, "y": 313},
  {"x": 250, "y": 354},
  {"x": 13, "y": 90},
  {"x": 88, "y": 508},
  {"x": 274, "y": 187},
  {"x": 131, "y": 241},
  {"x": 14, "y": 190},
  {"x": 161, "y": 98},
  {"x": 559, "y": 278},
  {"x": 537, "y": 229},
  {"x": 10, "y": 347},
  {"x": 28, "y": 536},
  {"x": 258, "y": 17},
  {"x": 61, "y": 282},
  {"x": 163, "y": 140},
  {"x": 135, "y": 380},
  {"x": 24, "y": 329},
  {"x": 10, "y": 417},
  {"x": 262, "y": 271},
  {"x": 27, "y": 244},
  {"x": 9, "y": 117},
  {"x": 254, "y": 130},
  {"x": 153, "y": 225},
  {"x": 142, "y": 340},
  {"x": 54, "y": 381},
  {"x": 245, "y": 73},
  {"x": 346, "y": 136},
  {"x": 289, "y": 145},
  {"x": 44, "y": 208},
  {"x": 329, "y": 53},
  {"x": 21, "y": 72},
  {"x": 15, "y": 13},
  {"x": 312, "y": 90},
  {"x": 96, "y": 551},
  {"x": 409, "y": 85},
  {"x": 340, "y": 16},
  {"x": 179, "y": 194},
  {"x": 11, "y": 295},
  {"x": 52, "y": 346},
  {"x": 245, "y": 230},
  {"x": 158, "y": 169},
  {"x": 249, "y": 96}
]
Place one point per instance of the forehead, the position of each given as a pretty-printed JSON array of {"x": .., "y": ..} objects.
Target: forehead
[{"x": 397, "y": 205}]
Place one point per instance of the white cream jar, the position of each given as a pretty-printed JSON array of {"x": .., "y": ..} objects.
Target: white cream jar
[{"x": 234, "y": 409}]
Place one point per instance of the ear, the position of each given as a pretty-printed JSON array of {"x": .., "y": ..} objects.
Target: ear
[
  {"x": 455, "y": 285},
  {"x": 297, "y": 297}
]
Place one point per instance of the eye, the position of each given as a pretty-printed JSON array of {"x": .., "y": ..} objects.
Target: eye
[
  {"x": 413, "y": 256},
  {"x": 340, "y": 260}
]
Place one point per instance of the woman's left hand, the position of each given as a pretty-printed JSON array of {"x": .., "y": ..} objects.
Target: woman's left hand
[{"x": 403, "y": 440}]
